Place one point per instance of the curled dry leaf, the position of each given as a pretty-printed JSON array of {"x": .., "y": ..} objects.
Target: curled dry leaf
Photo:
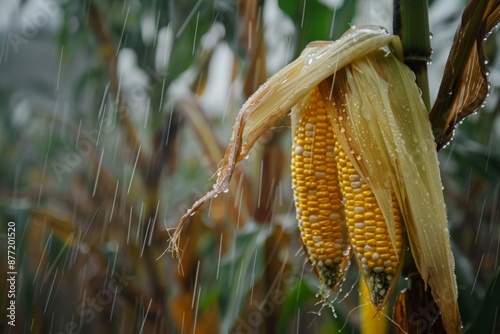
[
  {"x": 381, "y": 123},
  {"x": 464, "y": 86}
]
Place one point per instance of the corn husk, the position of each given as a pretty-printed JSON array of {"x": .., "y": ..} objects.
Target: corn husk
[
  {"x": 281, "y": 92},
  {"x": 381, "y": 122}
]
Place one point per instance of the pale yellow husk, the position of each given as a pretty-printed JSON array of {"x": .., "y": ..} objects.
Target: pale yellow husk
[{"x": 382, "y": 124}]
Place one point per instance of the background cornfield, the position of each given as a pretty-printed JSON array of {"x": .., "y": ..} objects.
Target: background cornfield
[{"x": 114, "y": 118}]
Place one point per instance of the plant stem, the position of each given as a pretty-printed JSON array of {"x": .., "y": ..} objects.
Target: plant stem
[{"x": 411, "y": 24}]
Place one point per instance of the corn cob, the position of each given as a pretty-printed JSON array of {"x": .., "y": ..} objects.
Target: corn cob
[
  {"x": 317, "y": 195},
  {"x": 391, "y": 133},
  {"x": 378, "y": 260}
]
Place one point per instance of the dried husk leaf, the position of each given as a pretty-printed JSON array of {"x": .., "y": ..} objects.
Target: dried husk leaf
[
  {"x": 381, "y": 121},
  {"x": 415, "y": 301},
  {"x": 200, "y": 125},
  {"x": 464, "y": 86},
  {"x": 284, "y": 90}
]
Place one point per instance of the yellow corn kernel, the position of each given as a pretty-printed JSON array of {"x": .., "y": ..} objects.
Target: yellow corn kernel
[
  {"x": 317, "y": 196},
  {"x": 378, "y": 260}
]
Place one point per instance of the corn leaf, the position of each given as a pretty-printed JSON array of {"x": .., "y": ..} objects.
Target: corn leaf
[
  {"x": 464, "y": 86},
  {"x": 486, "y": 319},
  {"x": 312, "y": 19},
  {"x": 239, "y": 270},
  {"x": 297, "y": 297}
]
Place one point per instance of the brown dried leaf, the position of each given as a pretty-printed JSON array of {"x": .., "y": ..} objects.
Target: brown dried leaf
[
  {"x": 416, "y": 312},
  {"x": 252, "y": 39},
  {"x": 192, "y": 320},
  {"x": 108, "y": 52},
  {"x": 61, "y": 225},
  {"x": 272, "y": 163},
  {"x": 190, "y": 259},
  {"x": 464, "y": 86}
]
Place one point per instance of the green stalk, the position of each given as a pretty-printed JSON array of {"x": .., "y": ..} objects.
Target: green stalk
[{"x": 411, "y": 24}]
